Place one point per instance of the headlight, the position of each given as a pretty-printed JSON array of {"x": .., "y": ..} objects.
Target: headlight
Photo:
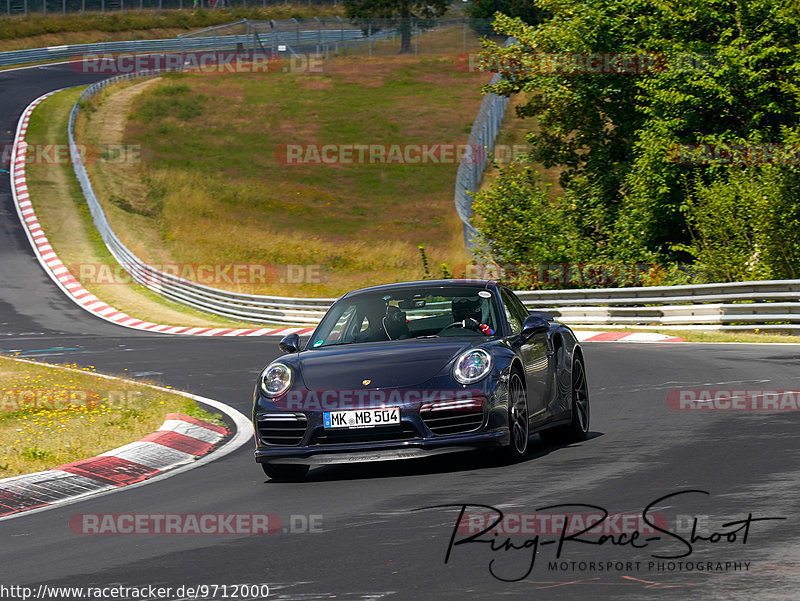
[
  {"x": 472, "y": 366},
  {"x": 276, "y": 379}
]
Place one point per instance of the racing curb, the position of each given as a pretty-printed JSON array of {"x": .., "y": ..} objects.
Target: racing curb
[
  {"x": 589, "y": 336},
  {"x": 59, "y": 273},
  {"x": 180, "y": 440}
]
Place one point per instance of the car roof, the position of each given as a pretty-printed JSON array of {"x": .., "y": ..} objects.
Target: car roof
[{"x": 488, "y": 284}]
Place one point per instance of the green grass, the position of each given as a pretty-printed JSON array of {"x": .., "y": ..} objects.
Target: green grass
[{"x": 51, "y": 416}]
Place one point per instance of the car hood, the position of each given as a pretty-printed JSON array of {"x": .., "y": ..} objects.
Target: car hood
[{"x": 386, "y": 364}]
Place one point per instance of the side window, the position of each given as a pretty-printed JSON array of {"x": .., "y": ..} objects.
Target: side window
[
  {"x": 517, "y": 306},
  {"x": 337, "y": 333},
  {"x": 512, "y": 313}
]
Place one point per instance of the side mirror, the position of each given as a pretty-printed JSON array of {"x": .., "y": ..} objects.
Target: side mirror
[
  {"x": 533, "y": 325},
  {"x": 290, "y": 343}
]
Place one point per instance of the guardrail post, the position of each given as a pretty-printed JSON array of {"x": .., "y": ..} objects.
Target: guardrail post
[{"x": 44, "y": 8}]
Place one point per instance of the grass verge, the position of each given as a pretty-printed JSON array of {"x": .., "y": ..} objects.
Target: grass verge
[
  {"x": 64, "y": 215},
  {"x": 36, "y": 31},
  {"x": 51, "y": 416}
]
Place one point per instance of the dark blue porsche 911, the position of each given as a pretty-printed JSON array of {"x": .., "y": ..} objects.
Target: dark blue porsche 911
[{"x": 414, "y": 369}]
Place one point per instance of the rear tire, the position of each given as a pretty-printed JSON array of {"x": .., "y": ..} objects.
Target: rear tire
[
  {"x": 286, "y": 472},
  {"x": 578, "y": 428}
]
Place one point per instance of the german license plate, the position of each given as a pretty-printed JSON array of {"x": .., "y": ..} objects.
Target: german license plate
[{"x": 362, "y": 418}]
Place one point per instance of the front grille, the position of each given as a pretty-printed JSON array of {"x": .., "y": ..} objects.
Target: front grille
[
  {"x": 358, "y": 435},
  {"x": 282, "y": 428},
  {"x": 452, "y": 421}
]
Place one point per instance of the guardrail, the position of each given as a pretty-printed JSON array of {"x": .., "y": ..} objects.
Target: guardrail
[
  {"x": 470, "y": 173},
  {"x": 732, "y": 306},
  {"x": 222, "y": 42}
]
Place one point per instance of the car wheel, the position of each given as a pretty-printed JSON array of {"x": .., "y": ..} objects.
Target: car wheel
[
  {"x": 287, "y": 472},
  {"x": 578, "y": 427},
  {"x": 518, "y": 427}
]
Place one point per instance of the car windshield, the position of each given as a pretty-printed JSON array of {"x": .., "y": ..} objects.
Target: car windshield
[{"x": 405, "y": 313}]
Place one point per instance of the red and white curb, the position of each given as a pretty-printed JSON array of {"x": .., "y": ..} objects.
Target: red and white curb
[
  {"x": 67, "y": 282},
  {"x": 589, "y": 336},
  {"x": 179, "y": 441}
]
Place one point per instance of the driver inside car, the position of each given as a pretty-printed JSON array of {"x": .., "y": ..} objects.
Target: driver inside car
[{"x": 469, "y": 312}]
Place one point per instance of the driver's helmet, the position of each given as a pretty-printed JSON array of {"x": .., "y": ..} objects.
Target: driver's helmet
[{"x": 466, "y": 307}]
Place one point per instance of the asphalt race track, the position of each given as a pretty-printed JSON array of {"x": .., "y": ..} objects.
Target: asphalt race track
[{"x": 369, "y": 542}]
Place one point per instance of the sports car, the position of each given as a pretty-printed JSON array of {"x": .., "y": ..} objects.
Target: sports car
[{"x": 414, "y": 369}]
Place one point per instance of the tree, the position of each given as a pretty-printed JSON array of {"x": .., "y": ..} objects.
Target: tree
[
  {"x": 747, "y": 227},
  {"x": 404, "y": 10},
  {"x": 486, "y": 9},
  {"x": 616, "y": 85}
]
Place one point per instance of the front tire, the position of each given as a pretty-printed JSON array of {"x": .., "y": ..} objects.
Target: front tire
[
  {"x": 285, "y": 472},
  {"x": 578, "y": 428},
  {"x": 518, "y": 427}
]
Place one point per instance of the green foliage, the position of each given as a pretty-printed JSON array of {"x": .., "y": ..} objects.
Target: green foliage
[
  {"x": 36, "y": 453},
  {"x": 424, "y": 258},
  {"x": 716, "y": 72},
  {"x": 486, "y": 9},
  {"x": 746, "y": 228},
  {"x": 407, "y": 11},
  {"x": 521, "y": 225}
]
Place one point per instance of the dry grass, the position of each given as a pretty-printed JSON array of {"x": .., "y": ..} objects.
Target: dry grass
[
  {"x": 511, "y": 141},
  {"x": 216, "y": 194},
  {"x": 64, "y": 215},
  {"x": 36, "y": 31},
  {"x": 50, "y": 416}
]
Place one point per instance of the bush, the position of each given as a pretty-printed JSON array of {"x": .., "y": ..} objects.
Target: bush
[
  {"x": 522, "y": 226},
  {"x": 746, "y": 227}
]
